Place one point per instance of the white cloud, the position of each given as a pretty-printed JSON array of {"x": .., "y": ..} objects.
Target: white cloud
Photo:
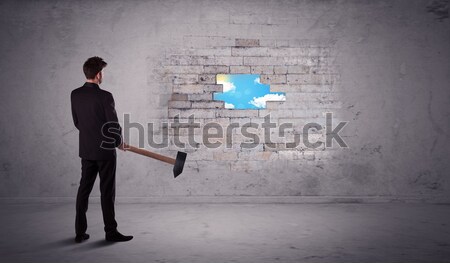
[
  {"x": 229, "y": 105},
  {"x": 260, "y": 102},
  {"x": 257, "y": 81},
  {"x": 227, "y": 86}
]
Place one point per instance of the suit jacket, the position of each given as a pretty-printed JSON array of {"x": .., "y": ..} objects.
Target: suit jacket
[{"x": 95, "y": 117}]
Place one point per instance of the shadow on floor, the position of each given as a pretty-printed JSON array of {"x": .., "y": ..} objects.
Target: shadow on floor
[
  {"x": 99, "y": 244},
  {"x": 60, "y": 243},
  {"x": 86, "y": 245},
  {"x": 92, "y": 244}
]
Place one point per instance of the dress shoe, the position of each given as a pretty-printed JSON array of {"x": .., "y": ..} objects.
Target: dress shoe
[
  {"x": 117, "y": 237},
  {"x": 81, "y": 238}
]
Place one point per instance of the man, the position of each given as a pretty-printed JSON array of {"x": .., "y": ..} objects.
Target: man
[{"x": 95, "y": 117}]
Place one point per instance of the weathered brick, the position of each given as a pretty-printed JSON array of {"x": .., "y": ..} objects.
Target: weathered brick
[
  {"x": 229, "y": 61},
  {"x": 188, "y": 89},
  {"x": 275, "y": 79},
  {"x": 275, "y": 52},
  {"x": 179, "y": 104},
  {"x": 207, "y": 78},
  {"x": 208, "y": 105},
  {"x": 186, "y": 113},
  {"x": 200, "y": 97},
  {"x": 262, "y": 69},
  {"x": 185, "y": 79},
  {"x": 186, "y": 60},
  {"x": 213, "y": 88},
  {"x": 251, "y": 51},
  {"x": 274, "y": 104},
  {"x": 275, "y": 113},
  {"x": 216, "y": 69},
  {"x": 239, "y": 70},
  {"x": 280, "y": 69},
  {"x": 274, "y": 42},
  {"x": 197, "y": 88},
  {"x": 223, "y": 122},
  {"x": 179, "y": 96},
  {"x": 187, "y": 69},
  {"x": 185, "y": 125},
  {"x": 241, "y": 121},
  {"x": 240, "y": 42},
  {"x": 236, "y": 113},
  {"x": 268, "y": 43},
  {"x": 267, "y": 61}
]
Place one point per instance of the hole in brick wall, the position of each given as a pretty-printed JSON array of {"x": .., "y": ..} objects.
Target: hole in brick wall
[{"x": 245, "y": 91}]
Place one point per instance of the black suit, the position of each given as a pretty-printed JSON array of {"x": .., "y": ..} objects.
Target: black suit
[{"x": 95, "y": 117}]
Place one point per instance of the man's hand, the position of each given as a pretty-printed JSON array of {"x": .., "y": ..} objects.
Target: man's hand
[{"x": 123, "y": 147}]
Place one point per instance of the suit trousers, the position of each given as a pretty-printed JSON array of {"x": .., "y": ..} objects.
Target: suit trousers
[{"x": 107, "y": 172}]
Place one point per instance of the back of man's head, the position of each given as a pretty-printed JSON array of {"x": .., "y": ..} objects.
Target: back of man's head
[{"x": 93, "y": 66}]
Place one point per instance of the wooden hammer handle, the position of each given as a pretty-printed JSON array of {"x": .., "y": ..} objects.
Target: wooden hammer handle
[{"x": 150, "y": 154}]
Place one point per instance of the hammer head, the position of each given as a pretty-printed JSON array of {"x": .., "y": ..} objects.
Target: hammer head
[{"x": 179, "y": 164}]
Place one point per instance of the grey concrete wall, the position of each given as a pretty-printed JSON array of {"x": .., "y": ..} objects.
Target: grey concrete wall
[{"x": 391, "y": 59}]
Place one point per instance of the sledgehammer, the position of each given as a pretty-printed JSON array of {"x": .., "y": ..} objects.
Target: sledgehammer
[{"x": 178, "y": 163}]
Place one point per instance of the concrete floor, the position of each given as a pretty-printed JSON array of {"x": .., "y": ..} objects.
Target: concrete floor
[{"x": 232, "y": 233}]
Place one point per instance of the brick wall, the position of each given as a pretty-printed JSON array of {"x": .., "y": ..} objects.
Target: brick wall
[{"x": 301, "y": 68}]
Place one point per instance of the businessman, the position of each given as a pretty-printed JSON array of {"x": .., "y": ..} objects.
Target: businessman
[{"x": 95, "y": 117}]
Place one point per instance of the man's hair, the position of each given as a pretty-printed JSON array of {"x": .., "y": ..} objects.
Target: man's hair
[{"x": 93, "y": 66}]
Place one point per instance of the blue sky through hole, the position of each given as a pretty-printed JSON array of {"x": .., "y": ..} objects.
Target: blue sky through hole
[{"x": 245, "y": 91}]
